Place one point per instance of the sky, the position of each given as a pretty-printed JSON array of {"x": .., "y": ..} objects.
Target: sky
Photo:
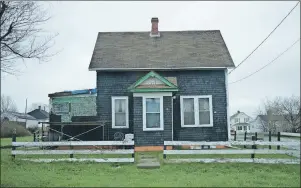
[{"x": 243, "y": 25}]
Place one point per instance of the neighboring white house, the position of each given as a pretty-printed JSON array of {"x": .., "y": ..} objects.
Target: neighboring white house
[
  {"x": 20, "y": 117},
  {"x": 240, "y": 122}
]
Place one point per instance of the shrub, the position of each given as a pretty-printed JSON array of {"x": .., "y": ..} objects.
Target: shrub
[
  {"x": 32, "y": 129},
  {"x": 8, "y": 127}
]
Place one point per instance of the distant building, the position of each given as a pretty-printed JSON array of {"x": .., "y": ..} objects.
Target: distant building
[
  {"x": 25, "y": 119},
  {"x": 40, "y": 114},
  {"x": 273, "y": 123},
  {"x": 240, "y": 122}
]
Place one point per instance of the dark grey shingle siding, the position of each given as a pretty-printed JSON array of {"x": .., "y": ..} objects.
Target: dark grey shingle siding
[{"x": 205, "y": 82}]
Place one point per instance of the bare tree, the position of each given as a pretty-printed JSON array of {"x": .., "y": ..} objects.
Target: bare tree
[
  {"x": 21, "y": 36},
  {"x": 289, "y": 108},
  {"x": 7, "y": 104},
  {"x": 266, "y": 112},
  {"x": 39, "y": 105}
]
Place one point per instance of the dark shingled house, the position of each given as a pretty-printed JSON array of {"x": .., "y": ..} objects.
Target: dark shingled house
[{"x": 163, "y": 85}]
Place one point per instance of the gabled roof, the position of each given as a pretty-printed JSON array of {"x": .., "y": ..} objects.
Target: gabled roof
[
  {"x": 162, "y": 84},
  {"x": 39, "y": 114},
  {"x": 172, "y": 50},
  {"x": 237, "y": 113},
  {"x": 18, "y": 115}
]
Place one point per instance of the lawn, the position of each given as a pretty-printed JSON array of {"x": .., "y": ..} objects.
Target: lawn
[
  {"x": 7, "y": 141},
  {"x": 23, "y": 173}
]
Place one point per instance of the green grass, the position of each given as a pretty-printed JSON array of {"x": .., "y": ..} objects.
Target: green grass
[
  {"x": 24, "y": 173},
  {"x": 7, "y": 141}
]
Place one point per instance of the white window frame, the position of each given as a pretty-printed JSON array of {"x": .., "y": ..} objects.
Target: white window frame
[
  {"x": 161, "y": 128},
  {"x": 196, "y": 110},
  {"x": 126, "y": 112}
]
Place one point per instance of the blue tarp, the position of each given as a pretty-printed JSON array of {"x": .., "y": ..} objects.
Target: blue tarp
[{"x": 83, "y": 91}]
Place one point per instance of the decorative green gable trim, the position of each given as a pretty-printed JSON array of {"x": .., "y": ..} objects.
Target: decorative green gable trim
[
  {"x": 147, "y": 90},
  {"x": 133, "y": 88}
]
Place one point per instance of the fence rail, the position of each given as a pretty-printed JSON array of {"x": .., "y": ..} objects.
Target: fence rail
[
  {"x": 229, "y": 143},
  {"x": 23, "y": 148},
  {"x": 252, "y": 151},
  {"x": 74, "y": 143}
]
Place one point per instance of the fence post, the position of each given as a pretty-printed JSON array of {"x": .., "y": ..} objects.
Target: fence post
[
  {"x": 278, "y": 139},
  {"x": 255, "y": 139},
  {"x": 234, "y": 135},
  {"x": 133, "y": 154},
  {"x": 270, "y": 139},
  {"x": 245, "y": 138},
  {"x": 164, "y": 155},
  {"x": 14, "y": 139},
  {"x": 71, "y": 148},
  {"x": 253, "y": 147}
]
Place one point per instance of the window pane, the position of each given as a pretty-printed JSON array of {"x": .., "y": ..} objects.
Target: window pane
[
  {"x": 120, "y": 106},
  {"x": 120, "y": 112},
  {"x": 153, "y": 105},
  {"x": 120, "y": 119},
  {"x": 188, "y": 107},
  {"x": 152, "y": 120},
  {"x": 204, "y": 117},
  {"x": 204, "y": 104}
]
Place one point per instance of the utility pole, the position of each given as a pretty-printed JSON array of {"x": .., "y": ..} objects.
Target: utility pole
[{"x": 26, "y": 112}]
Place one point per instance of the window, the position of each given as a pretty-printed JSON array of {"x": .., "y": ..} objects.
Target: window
[
  {"x": 120, "y": 116},
  {"x": 236, "y": 120},
  {"x": 196, "y": 111},
  {"x": 152, "y": 113},
  {"x": 245, "y": 128},
  {"x": 246, "y": 120},
  {"x": 239, "y": 128}
]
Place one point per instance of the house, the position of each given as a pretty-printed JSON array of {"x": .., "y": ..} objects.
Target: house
[
  {"x": 240, "y": 122},
  {"x": 24, "y": 119},
  {"x": 40, "y": 114},
  {"x": 273, "y": 123},
  {"x": 163, "y": 85},
  {"x": 74, "y": 106}
]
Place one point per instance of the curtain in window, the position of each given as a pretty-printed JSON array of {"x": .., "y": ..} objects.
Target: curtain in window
[
  {"x": 120, "y": 112},
  {"x": 204, "y": 111},
  {"x": 188, "y": 105},
  {"x": 152, "y": 112}
]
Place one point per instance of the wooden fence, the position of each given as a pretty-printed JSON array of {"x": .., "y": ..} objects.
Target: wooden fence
[
  {"x": 38, "y": 148},
  {"x": 252, "y": 151}
]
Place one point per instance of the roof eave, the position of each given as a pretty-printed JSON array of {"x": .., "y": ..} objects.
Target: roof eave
[{"x": 149, "y": 69}]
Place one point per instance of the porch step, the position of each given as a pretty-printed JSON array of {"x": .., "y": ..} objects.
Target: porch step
[{"x": 148, "y": 162}]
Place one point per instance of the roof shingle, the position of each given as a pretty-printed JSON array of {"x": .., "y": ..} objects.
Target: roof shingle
[{"x": 172, "y": 50}]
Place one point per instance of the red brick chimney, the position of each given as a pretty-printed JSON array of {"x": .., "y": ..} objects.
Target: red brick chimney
[{"x": 155, "y": 31}]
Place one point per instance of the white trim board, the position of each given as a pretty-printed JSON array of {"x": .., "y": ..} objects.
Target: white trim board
[
  {"x": 228, "y": 113},
  {"x": 113, "y": 98},
  {"x": 154, "y": 94},
  {"x": 147, "y": 69},
  {"x": 196, "y": 110}
]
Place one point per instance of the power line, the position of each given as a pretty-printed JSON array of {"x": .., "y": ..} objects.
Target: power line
[
  {"x": 265, "y": 38},
  {"x": 268, "y": 63}
]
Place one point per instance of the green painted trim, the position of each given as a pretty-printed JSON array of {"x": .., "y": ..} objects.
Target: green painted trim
[
  {"x": 145, "y": 90},
  {"x": 153, "y": 74}
]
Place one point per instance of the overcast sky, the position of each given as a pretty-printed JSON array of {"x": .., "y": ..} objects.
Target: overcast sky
[{"x": 243, "y": 26}]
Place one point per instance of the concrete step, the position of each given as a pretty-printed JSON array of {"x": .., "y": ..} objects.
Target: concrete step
[{"x": 149, "y": 165}]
